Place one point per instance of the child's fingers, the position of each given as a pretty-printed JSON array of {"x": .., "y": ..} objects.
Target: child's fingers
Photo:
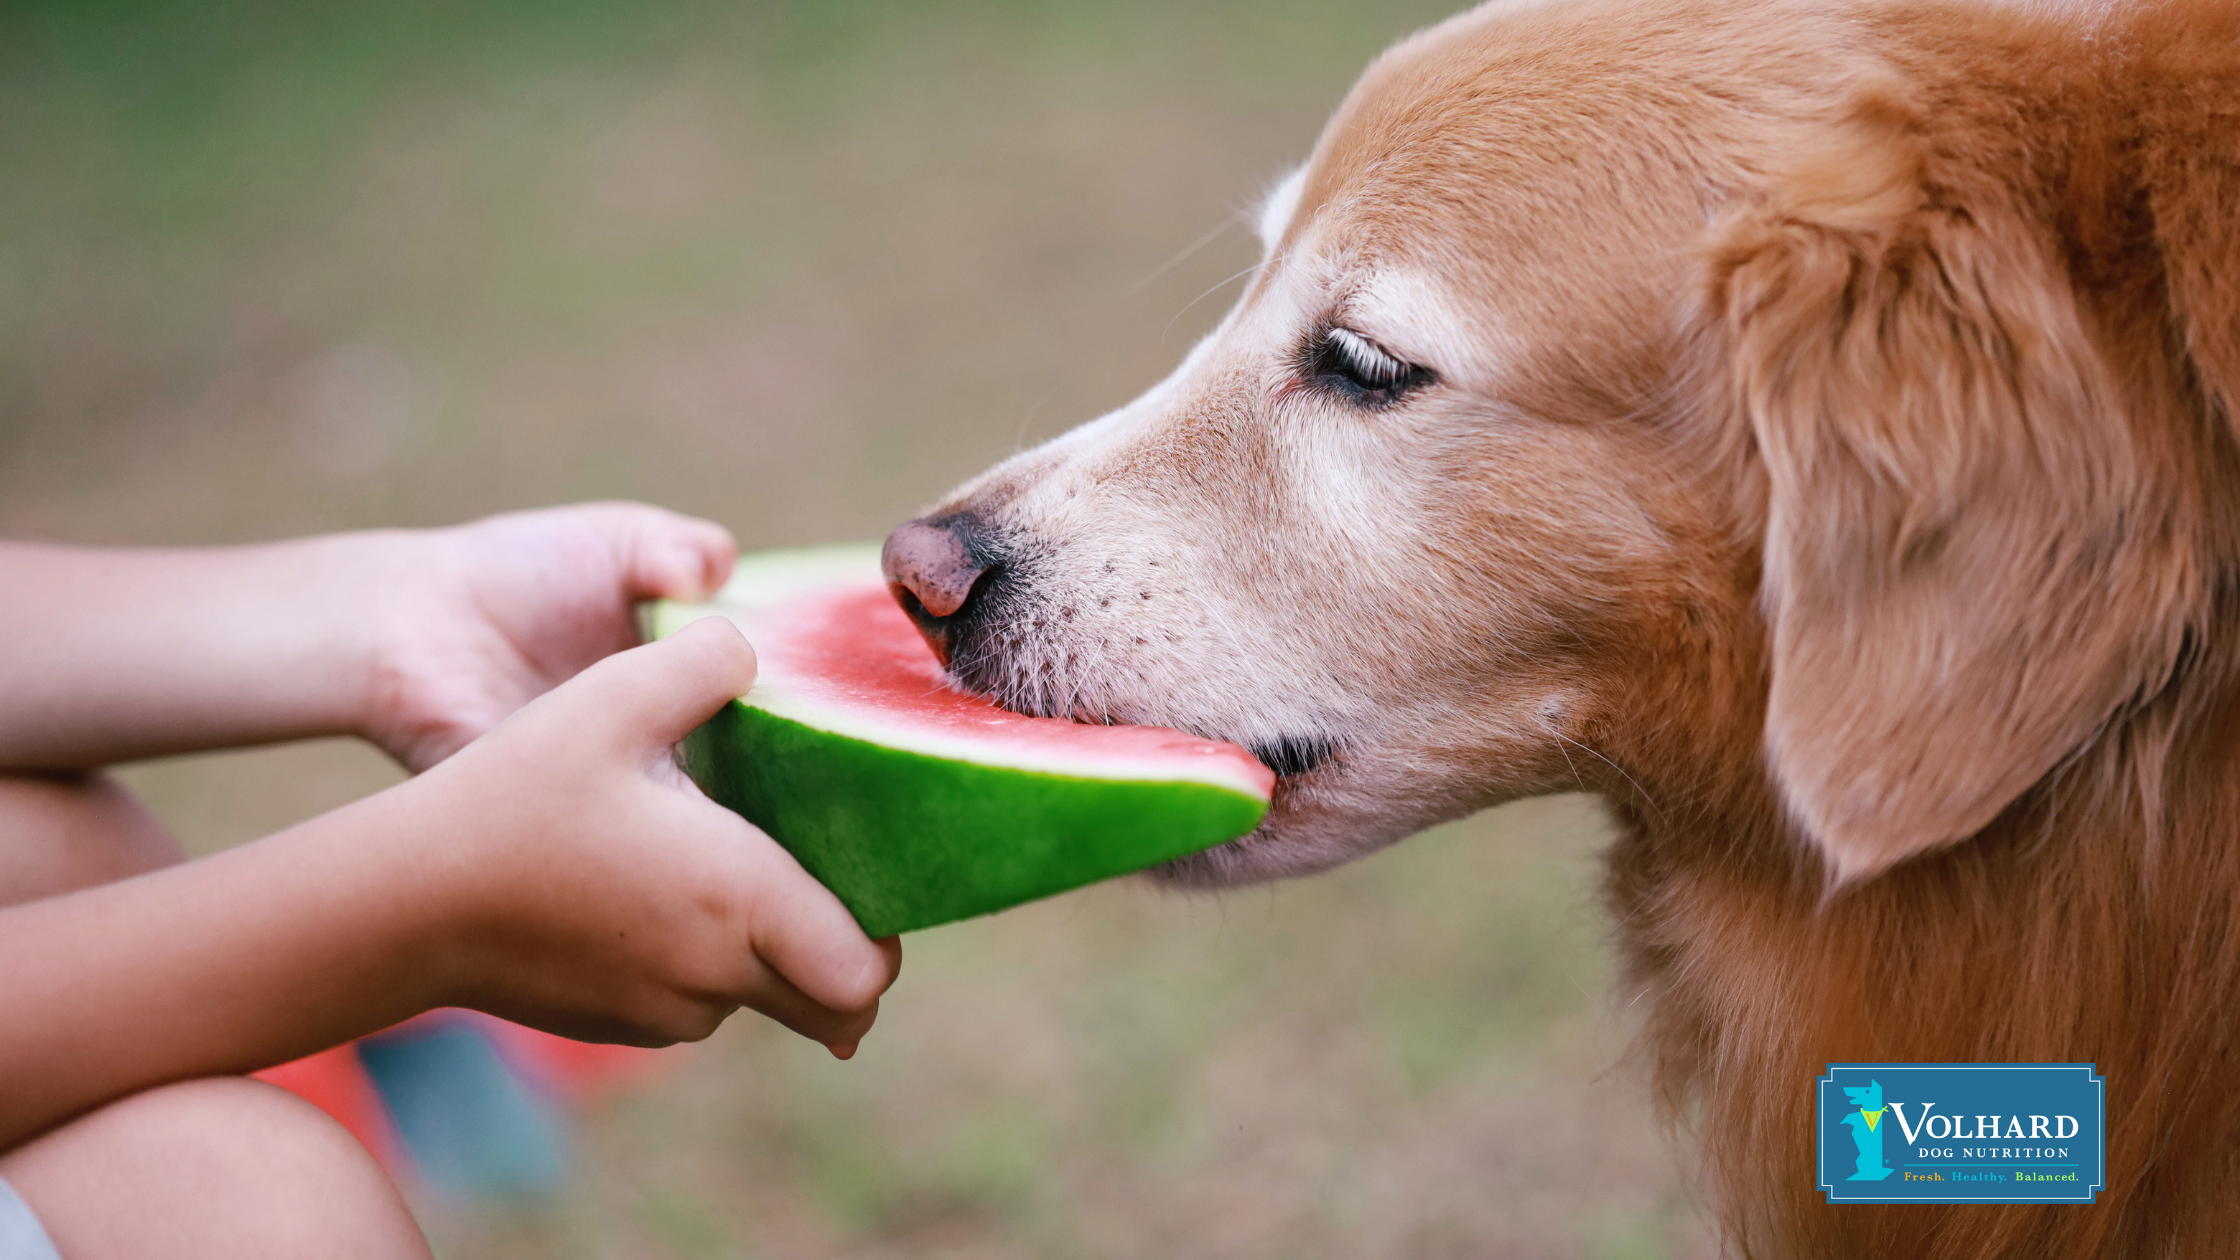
[
  {"x": 803, "y": 1014},
  {"x": 803, "y": 932},
  {"x": 666, "y": 556},
  {"x": 787, "y": 947},
  {"x": 652, "y": 696}
]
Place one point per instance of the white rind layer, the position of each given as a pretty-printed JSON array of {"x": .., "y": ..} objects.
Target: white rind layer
[{"x": 764, "y": 586}]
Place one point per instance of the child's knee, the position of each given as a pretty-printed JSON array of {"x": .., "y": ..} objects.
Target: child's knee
[
  {"x": 64, "y": 832},
  {"x": 221, "y": 1167}
]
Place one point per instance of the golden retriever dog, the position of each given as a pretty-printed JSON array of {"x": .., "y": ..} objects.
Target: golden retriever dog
[{"x": 1810, "y": 425}]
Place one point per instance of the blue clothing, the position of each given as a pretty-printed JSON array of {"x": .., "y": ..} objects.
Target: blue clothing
[{"x": 22, "y": 1237}]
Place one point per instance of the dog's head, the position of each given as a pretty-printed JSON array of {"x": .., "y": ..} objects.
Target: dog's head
[{"x": 1624, "y": 384}]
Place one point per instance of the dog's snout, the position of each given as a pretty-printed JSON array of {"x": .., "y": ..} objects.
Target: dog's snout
[
  {"x": 932, "y": 565},
  {"x": 933, "y": 561}
]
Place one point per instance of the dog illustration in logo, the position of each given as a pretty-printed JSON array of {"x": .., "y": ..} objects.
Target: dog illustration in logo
[{"x": 1866, "y": 1131}]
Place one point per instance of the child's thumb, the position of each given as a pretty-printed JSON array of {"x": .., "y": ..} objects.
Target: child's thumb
[{"x": 653, "y": 696}]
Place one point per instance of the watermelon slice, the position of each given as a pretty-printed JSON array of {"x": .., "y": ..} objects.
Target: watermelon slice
[{"x": 918, "y": 804}]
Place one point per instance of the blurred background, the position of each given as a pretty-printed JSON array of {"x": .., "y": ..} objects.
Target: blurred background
[{"x": 270, "y": 268}]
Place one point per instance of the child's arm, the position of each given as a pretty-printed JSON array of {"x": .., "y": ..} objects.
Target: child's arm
[
  {"x": 419, "y": 640},
  {"x": 559, "y": 872}
]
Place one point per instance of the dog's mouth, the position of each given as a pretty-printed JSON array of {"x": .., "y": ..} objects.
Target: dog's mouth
[{"x": 1293, "y": 756}]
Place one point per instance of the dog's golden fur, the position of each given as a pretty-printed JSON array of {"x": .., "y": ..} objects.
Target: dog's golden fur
[
  {"x": 1983, "y": 331},
  {"x": 1831, "y": 457}
]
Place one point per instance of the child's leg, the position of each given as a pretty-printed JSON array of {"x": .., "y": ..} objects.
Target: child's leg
[
  {"x": 220, "y": 1168},
  {"x": 73, "y": 831},
  {"x": 224, "y": 1167}
]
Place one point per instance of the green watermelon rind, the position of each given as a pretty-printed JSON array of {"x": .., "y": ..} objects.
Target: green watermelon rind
[{"x": 908, "y": 841}]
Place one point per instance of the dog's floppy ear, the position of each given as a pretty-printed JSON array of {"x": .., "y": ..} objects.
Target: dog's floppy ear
[
  {"x": 2194, "y": 183},
  {"x": 1960, "y": 533}
]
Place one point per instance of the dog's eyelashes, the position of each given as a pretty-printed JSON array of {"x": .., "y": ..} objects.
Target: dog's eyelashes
[
  {"x": 1360, "y": 368},
  {"x": 1364, "y": 361}
]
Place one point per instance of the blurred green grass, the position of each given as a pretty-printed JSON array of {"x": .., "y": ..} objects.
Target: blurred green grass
[{"x": 270, "y": 268}]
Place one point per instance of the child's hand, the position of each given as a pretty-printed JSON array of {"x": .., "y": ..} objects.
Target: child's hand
[
  {"x": 475, "y": 621},
  {"x": 558, "y": 871},
  {"x": 588, "y": 889}
]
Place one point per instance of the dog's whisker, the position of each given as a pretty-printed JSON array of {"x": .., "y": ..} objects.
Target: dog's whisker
[
  {"x": 1641, "y": 791},
  {"x": 1575, "y": 777},
  {"x": 1188, "y": 251},
  {"x": 1203, "y": 296}
]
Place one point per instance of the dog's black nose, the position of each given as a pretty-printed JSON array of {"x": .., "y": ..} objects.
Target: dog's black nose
[{"x": 932, "y": 565}]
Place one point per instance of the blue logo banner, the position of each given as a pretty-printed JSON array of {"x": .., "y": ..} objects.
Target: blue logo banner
[{"x": 1962, "y": 1132}]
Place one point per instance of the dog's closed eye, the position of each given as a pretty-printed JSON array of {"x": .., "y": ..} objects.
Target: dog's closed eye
[{"x": 1361, "y": 370}]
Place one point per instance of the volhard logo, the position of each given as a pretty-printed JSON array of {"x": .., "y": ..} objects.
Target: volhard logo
[{"x": 1961, "y": 1132}]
